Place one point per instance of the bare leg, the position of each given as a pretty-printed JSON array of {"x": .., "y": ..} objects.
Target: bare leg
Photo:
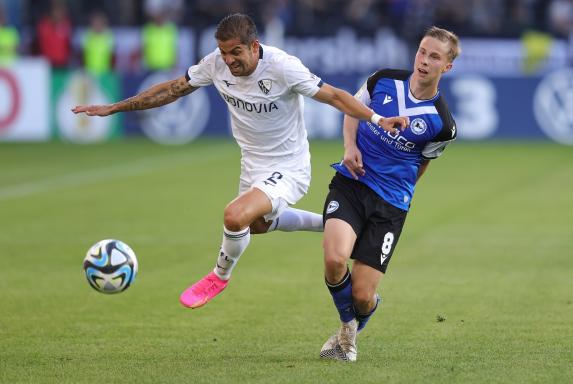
[{"x": 365, "y": 280}]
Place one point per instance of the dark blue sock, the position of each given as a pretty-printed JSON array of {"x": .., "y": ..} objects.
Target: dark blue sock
[
  {"x": 342, "y": 295},
  {"x": 364, "y": 317}
]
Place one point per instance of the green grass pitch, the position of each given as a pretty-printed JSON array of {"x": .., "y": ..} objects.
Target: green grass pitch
[{"x": 480, "y": 288}]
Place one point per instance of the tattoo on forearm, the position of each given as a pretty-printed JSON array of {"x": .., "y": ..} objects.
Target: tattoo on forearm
[
  {"x": 179, "y": 89},
  {"x": 156, "y": 96}
]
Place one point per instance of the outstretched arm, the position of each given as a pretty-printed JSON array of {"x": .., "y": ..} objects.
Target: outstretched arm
[
  {"x": 345, "y": 102},
  {"x": 156, "y": 96}
]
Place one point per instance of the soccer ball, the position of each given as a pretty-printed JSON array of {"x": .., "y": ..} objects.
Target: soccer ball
[{"x": 110, "y": 266}]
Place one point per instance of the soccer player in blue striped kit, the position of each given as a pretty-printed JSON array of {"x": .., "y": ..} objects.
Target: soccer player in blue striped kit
[{"x": 371, "y": 192}]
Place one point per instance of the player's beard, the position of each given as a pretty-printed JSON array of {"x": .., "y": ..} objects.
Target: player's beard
[
  {"x": 242, "y": 68},
  {"x": 236, "y": 69}
]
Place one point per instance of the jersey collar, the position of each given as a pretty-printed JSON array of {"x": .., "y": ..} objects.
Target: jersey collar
[{"x": 414, "y": 99}]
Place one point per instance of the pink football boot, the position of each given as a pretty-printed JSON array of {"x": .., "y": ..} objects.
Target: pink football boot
[{"x": 203, "y": 291}]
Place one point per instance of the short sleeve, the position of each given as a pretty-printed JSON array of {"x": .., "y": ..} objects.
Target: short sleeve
[
  {"x": 201, "y": 74},
  {"x": 363, "y": 95},
  {"x": 438, "y": 144},
  {"x": 434, "y": 149},
  {"x": 299, "y": 78}
]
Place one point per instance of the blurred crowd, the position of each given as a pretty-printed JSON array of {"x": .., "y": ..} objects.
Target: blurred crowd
[{"x": 40, "y": 27}]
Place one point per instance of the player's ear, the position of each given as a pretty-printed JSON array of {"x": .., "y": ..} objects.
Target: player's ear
[
  {"x": 447, "y": 67},
  {"x": 255, "y": 45}
]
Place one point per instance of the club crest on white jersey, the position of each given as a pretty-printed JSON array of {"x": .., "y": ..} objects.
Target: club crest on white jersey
[{"x": 265, "y": 85}]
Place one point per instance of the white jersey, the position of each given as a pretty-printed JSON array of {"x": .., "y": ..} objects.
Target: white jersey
[{"x": 266, "y": 107}]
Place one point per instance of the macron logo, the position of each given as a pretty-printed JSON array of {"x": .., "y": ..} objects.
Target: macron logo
[{"x": 387, "y": 99}]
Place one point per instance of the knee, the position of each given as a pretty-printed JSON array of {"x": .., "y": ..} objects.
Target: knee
[
  {"x": 362, "y": 298},
  {"x": 233, "y": 218},
  {"x": 334, "y": 259}
]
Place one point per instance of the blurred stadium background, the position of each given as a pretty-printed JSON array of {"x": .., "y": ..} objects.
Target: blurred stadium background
[
  {"x": 513, "y": 79},
  {"x": 479, "y": 290}
]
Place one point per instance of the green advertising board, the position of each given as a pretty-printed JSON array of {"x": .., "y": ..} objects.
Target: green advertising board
[{"x": 71, "y": 88}]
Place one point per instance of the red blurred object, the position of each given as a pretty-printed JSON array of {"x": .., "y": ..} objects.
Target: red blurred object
[{"x": 54, "y": 36}]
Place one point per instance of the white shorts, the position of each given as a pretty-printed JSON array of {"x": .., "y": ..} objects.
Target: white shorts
[{"x": 283, "y": 186}]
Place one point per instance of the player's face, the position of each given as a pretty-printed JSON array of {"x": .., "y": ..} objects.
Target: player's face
[
  {"x": 431, "y": 60},
  {"x": 241, "y": 59}
]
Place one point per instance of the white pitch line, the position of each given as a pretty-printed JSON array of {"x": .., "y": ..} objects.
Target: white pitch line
[{"x": 81, "y": 178}]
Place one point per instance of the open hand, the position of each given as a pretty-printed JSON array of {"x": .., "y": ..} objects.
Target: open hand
[{"x": 94, "y": 110}]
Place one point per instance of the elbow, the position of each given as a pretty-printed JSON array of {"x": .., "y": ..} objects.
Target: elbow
[{"x": 336, "y": 101}]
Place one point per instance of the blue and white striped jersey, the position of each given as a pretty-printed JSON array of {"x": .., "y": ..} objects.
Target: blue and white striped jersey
[{"x": 391, "y": 161}]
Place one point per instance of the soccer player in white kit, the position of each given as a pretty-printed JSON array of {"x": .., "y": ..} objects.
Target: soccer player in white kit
[{"x": 263, "y": 88}]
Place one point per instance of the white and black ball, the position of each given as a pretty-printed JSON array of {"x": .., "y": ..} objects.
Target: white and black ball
[{"x": 110, "y": 266}]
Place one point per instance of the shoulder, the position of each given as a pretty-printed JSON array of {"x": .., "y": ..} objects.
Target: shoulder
[
  {"x": 387, "y": 73},
  {"x": 273, "y": 56},
  {"x": 448, "y": 131},
  {"x": 206, "y": 68},
  {"x": 281, "y": 65},
  {"x": 277, "y": 59},
  {"x": 216, "y": 53},
  {"x": 211, "y": 59}
]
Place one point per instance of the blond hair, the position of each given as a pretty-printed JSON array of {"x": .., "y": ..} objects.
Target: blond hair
[{"x": 446, "y": 36}]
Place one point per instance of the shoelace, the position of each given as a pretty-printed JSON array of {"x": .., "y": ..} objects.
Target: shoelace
[
  {"x": 345, "y": 338},
  {"x": 213, "y": 286},
  {"x": 207, "y": 285}
]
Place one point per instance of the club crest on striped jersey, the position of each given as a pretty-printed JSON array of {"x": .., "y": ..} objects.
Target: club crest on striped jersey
[
  {"x": 418, "y": 126},
  {"x": 265, "y": 85}
]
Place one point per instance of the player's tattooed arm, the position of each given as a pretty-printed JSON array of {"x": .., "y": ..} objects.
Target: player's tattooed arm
[{"x": 156, "y": 96}]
